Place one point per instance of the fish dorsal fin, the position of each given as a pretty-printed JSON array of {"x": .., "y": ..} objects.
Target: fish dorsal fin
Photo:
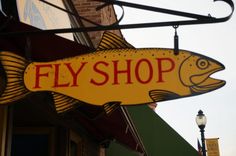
[
  {"x": 112, "y": 41},
  {"x": 64, "y": 103}
]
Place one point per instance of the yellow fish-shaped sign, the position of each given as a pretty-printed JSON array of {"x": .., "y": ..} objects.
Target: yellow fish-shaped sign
[{"x": 115, "y": 73}]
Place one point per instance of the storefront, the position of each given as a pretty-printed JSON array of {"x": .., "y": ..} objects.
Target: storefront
[{"x": 40, "y": 130}]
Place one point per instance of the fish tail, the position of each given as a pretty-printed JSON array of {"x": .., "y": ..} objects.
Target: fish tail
[{"x": 13, "y": 88}]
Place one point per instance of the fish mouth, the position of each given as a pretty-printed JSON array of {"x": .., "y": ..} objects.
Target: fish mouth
[{"x": 204, "y": 83}]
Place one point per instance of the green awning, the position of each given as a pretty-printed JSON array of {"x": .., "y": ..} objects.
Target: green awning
[
  {"x": 158, "y": 138},
  {"x": 116, "y": 149}
]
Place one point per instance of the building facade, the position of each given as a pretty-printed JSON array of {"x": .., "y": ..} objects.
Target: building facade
[{"x": 31, "y": 126}]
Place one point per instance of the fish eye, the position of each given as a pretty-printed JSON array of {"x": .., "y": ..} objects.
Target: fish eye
[{"x": 202, "y": 63}]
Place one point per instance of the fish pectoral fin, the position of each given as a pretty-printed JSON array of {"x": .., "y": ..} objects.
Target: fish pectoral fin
[
  {"x": 112, "y": 41},
  {"x": 162, "y": 95},
  {"x": 64, "y": 103},
  {"x": 111, "y": 107}
]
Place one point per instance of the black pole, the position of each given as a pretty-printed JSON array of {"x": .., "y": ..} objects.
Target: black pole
[{"x": 203, "y": 141}]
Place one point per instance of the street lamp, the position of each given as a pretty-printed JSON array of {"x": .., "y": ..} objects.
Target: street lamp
[{"x": 201, "y": 122}]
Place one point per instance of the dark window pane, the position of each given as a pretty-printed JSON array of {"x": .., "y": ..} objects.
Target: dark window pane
[{"x": 30, "y": 145}]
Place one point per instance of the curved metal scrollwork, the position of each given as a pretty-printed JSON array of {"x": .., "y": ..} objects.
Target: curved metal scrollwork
[
  {"x": 194, "y": 19},
  {"x": 118, "y": 20},
  {"x": 231, "y": 4}
]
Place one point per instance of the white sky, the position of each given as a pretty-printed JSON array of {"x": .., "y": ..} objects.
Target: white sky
[{"x": 214, "y": 40}]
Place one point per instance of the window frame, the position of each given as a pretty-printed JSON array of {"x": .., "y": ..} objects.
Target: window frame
[{"x": 73, "y": 136}]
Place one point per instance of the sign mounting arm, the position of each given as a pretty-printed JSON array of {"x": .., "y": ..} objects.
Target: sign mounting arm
[{"x": 196, "y": 19}]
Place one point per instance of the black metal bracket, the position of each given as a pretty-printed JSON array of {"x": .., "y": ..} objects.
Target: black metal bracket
[
  {"x": 194, "y": 19},
  {"x": 176, "y": 41}
]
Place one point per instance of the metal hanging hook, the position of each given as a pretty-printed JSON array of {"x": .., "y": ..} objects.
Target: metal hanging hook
[{"x": 176, "y": 41}]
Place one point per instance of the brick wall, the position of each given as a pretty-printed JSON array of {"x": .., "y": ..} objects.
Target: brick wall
[{"x": 105, "y": 16}]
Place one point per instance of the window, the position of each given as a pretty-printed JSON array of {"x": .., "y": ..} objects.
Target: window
[
  {"x": 44, "y": 16},
  {"x": 76, "y": 146},
  {"x": 33, "y": 142}
]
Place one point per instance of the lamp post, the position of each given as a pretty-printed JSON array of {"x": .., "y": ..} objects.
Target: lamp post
[{"x": 201, "y": 122}]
